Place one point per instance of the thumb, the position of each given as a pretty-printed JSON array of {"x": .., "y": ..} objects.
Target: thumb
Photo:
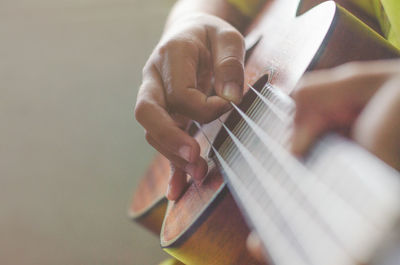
[{"x": 228, "y": 57}]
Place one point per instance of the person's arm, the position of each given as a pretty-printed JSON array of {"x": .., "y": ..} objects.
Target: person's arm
[{"x": 193, "y": 73}]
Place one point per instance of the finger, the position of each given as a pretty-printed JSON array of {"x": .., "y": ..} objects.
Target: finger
[
  {"x": 180, "y": 120},
  {"x": 228, "y": 50},
  {"x": 199, "y": 107},
  {"x": 378, "y": 127},
  {"x": 351, "y": 84},
  {"x": 177, "y": 183},
  {"x": 305, "y": 133},
  {"x": 196, "y": 169},
  {"x": 327, "y": 100},
  {"x": 255, "y": 247},
  {"x": 176, "y": 160},
  {"x": 151, "y": 112},
  {"x": 185, "y": 94},
  {"x": 204, "y": 71}
]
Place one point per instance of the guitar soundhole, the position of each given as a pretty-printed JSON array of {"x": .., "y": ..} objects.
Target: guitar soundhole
[
  {"x": 192, "y": 129},
  {"x": 235, "y": 117}
]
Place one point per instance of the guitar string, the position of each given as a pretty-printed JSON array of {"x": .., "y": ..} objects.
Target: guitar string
[
  {"x": 365, "y": 200},
  {"x": 278, "y": 148},
  {"x": 360, "y": 206},
  {"x": 281, "y": 115},
  {"x": 347, "y": 193},
  {"x": 289, "y": 205},
  {"x": 273, "y": 127},
  {"x": 390, "y": 210},
  {"x": 300, "y": 192},
  {"x": 335, "y": 259},
  {"x": 276, "y": 227},
  {"x": 280, "y": 151},
  {"x": 365, "y": 211}
]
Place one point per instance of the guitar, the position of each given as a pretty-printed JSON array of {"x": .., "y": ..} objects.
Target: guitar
[{"x": 339, "y": 206}]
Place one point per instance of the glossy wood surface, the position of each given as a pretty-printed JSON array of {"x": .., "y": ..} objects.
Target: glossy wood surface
[
  {"x": 218, "y": 235},
  {"x": 149, "y": 203}
]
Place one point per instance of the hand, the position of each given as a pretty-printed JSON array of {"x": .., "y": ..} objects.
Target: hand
[
  {"x": 333, "y": 99},
  {"x": 378, "y": 127},
  {"x": 199, "y": 56}
]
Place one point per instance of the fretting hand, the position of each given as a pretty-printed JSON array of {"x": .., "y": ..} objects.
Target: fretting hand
[{"x": 333, "y": 99}]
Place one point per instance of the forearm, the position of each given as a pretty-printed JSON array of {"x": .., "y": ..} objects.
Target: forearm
[{"x": 220, "y": 8}]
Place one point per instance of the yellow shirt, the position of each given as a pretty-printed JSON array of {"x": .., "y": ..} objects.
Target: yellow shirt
[{"x": 387, "y": 13}]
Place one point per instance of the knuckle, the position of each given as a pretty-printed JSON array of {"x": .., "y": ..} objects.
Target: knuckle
[
  {"x": 141, "y": 109},
  {"x": 229, "y": 61},
  {"x": 163, "y": 136},
  {"x": 188, "y": 44},
  {"x": 173, "y": 99},
  {"x": 232, "y": 35},
  {"x": 177, "y": 43},
  {"x": 148, "y": 137},
  {"x": 164, "y": 48},
  {"x": 147, "y": 68}
]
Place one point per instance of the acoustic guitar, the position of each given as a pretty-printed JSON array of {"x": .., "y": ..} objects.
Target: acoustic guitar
[{"x": 339, "y": 206}]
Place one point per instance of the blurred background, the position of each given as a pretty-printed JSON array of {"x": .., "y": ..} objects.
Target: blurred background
[{"x": 70, "y": 150}]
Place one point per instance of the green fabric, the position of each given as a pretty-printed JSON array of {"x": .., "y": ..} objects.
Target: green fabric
[
  {"x": 387, "y": 14},
  {"x": 392, "y": 10},
  {"x": 247, "y": 7}
]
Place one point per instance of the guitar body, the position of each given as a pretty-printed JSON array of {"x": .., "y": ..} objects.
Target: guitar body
[{"x": 205, "y": 226}]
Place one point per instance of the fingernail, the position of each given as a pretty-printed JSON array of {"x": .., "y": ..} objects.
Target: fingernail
[
  {"x": 253, "y": 241},
  {"x": 184, "y": 152},
  {"x": 195, "y": 171},
  {"x": 191, "y": 169},
  {"x": 231, "y": 92},
  {"x": 255, "y": 246}
]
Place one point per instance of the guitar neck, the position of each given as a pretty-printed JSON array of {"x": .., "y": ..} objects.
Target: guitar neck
[{"x": 336, "y": 207}]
